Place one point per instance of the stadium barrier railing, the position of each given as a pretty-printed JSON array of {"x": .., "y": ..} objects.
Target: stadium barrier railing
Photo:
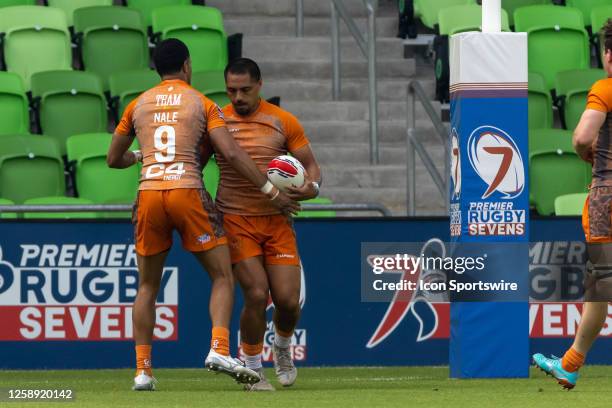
[
  {"x": 367, "y": 45},
  {"x": 413, "y": 144},
  {"x": 43, "y": 208}
]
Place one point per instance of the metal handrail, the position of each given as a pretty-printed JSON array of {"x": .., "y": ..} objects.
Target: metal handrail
[
  {"x": 299, "y": 18},
  {"x": 427, "y": 161},
  {"x": 128, "y": 207},
  {"x": 367, "y": 45},
  {"x": 415, "y": 91}
]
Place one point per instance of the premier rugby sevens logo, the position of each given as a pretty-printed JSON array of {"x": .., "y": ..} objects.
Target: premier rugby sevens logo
[
  {"x": 455, "y": 164},
  {"x": 78, "y": 292},
  {"x": 6, "y": 274},
  {"x": 495, "y": 157}
]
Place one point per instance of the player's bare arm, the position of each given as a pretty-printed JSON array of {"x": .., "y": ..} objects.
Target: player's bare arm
[
  {"x": 312, "y": 177},
  {"x": 586, "y": 133},
  {"x": 206, "y": 152},
  {"x": 119, "y": 157},
  {"x": 224, "y": 144}
]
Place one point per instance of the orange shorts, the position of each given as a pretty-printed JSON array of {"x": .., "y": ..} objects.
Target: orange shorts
[
  {"x": 191, "y": 211},
  {"x": 596, "y": 215},
  {"x": 271, "y": 236}
]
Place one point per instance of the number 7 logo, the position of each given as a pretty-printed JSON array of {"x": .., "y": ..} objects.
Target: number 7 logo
[{"x": 506, "y": 153}]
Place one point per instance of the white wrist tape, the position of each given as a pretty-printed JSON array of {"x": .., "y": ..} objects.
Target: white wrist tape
[
  {"x": 138, "y": 155},
  {"x": 267, "y": 188}
]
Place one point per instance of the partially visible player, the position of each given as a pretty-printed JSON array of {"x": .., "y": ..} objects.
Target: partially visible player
[
  {"x": 593, "y": 143},
  {"x": 262, "y": 240},
  {"x": 172, "y": 121}
]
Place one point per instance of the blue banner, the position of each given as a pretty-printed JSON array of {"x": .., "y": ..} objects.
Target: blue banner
[{"x": 66, "y": 290}]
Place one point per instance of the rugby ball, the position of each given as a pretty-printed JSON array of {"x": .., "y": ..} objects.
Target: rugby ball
[{"x": 286, "y": 171}]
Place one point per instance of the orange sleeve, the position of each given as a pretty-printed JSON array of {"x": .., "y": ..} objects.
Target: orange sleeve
[
  {"x": 213, "y": 113},
  {"x": 600, "y": 96},
  {"x": 294, "y": 132},
  {"x": 126, "y": 124}
]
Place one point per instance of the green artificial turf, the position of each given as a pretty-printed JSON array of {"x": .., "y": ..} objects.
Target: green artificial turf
[{"x": 317, "y": 387}]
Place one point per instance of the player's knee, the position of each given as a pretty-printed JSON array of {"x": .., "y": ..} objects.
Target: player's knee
[
  {"x": 257, "y": 297},
  {"x": 288, "y": 304}
]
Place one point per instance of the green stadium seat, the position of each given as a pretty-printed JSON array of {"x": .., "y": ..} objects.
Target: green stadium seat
[
  {"x": 317, "y": 214},
  {"x": 10, "y": 3},
  {"x": 146, "y": 7},
  {"x": 13, "y": 105},
  {"x": 69, "y": 6},
  {"x": 126, "y": 86},
  {"x": 572, "y": 90},
  {"x": 559, "y": 140},
  {"x": 547, "y": 167},
  {"x": 7, "y": 215},
  {"x": 119, "y": 29},
  {"x": 30, "y": 166},
  {"x": 557, "y": 39},
  {"x": 208, "y": 80},
  {"x": 549, "y": 140},
  {"x": 97, "y": 182},
  {"x": 586, "y": 7},
  {"x": 599, "y": 17},
  {"x": 540, "y": 102},
  {"x": 458, "y": 19},
  {"x": 428, "y": 10},
  {"x": 211, "y": 176},
  {"x": 201, "y": 28},
  {"x": 570, "y": 204},
  {"x": 35, "y": 39},
  {"x": 59, "y": 201},
  {"x": 511, "y": 5},
  {"x": 211, "y": 84},
  {"x": 69, "y": 103}
]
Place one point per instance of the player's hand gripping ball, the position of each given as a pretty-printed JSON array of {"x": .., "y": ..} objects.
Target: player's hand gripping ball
[{"x": 286, "y": 171}]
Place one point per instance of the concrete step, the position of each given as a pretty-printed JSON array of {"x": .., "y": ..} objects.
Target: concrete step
[
  {"x": 287, "y": 7},
  {"x": 347, "y": 153},
  {"x": 386, "y": 26},
  {"x": 393, "y": 198},
  {"x": 389, "y": 197},
  {"x": 351, "y": 153},
  {"x": 386, "y": 175},
  {"x": 322, "y": 68},
  {"x": 355, "y": 89},
  {"x": 358, "y": 131},
  {"x": 345, "y": 110},
  {"x": 307, "y": 48},
  {"x": 389, "y": 153}
]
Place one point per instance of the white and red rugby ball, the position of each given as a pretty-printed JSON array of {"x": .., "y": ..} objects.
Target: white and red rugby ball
[{"x": 286, "y": 171}]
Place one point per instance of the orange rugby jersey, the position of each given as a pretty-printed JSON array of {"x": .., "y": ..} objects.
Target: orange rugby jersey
[
  {"x": 600, "y": 99},
  {"x": 266, "y": 133},
  {"x": 171, "y": 122}
]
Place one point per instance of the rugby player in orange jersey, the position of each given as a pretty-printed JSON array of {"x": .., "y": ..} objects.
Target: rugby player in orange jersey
[
  {"x": 173, "y": 124},
  {"x": 593, "y": 143},
  {"x": 262, "y": 239}
]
